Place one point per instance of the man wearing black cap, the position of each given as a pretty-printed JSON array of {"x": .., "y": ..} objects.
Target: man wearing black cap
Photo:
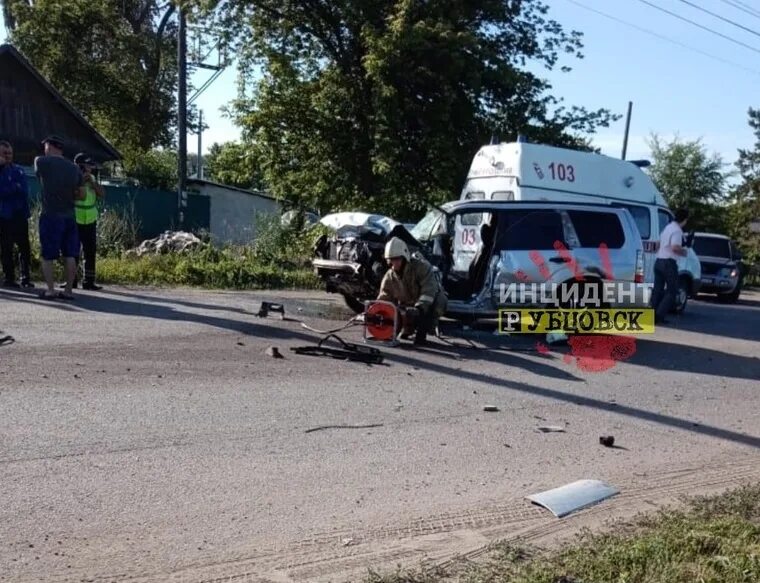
[
  {"x": 87, "y": 217},
  {"x": 61, "y": 184}
]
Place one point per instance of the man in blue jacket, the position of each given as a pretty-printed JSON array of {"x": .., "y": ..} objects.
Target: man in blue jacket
[{"x": 14, "y": 219}]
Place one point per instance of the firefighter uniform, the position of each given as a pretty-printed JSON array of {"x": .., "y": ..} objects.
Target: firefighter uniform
[{"x": 414, "y": 285}]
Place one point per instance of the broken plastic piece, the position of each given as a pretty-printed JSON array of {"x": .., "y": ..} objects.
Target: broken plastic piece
[
  {"x": 267, "y": 307},
  {"x": 551, "y": 429},
  {"x": 572, "y": 497},
  {"x": 274, "y": 352}
]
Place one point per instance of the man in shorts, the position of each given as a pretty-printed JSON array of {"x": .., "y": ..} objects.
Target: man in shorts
[{"x": 61, "y": 184}]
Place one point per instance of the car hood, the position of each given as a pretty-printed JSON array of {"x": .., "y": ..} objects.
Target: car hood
[
  {"x": 365, "y": 225},
  {"x": 363, "y": 222}
]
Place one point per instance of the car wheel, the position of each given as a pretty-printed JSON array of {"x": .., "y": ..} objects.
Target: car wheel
[
  {"x": 682, "y": 295},
  {"x": 355, "y": 304}
]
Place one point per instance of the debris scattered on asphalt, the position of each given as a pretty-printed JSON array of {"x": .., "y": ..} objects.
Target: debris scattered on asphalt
[
  {"x": 607, "y": 440},
  {"x": 551, "y": 429},
  {"x": 241, "y": 344},
  {"x": 572, "y": 497},
  {"x": 491, "y": 408},
  {"x": 274, "y": 352},
  {"x": 347, "y": 542},
  {"x": 323, "y": 427},
  {"x": 7, "y": 340},
  {"x": 347, "y": 351},
  {"x": 538, "y": 417}
]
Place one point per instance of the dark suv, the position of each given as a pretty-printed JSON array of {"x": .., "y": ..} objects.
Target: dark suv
[{"x": 722, "y": 267}]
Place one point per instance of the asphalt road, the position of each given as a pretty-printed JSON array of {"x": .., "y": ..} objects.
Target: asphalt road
[{"x": 147, "y": 436}]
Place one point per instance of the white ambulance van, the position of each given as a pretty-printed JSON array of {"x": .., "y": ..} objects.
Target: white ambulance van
[{"x": 535, "y": 172}]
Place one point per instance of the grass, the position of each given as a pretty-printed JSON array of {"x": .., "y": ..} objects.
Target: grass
[
  {"x": 278, "y": 259},
  {"x": 712, "y": 540},
  {"x": 192, "y": 269}
]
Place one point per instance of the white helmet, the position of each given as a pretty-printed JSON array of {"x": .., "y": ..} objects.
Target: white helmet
[{"x": 396, "y": 248}]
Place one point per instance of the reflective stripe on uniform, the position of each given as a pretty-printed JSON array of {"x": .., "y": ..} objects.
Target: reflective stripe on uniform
[{"x": 426, "y": 298}]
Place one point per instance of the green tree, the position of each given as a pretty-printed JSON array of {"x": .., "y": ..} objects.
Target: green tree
[
  {"x": 745, "y": 197},
  {"x": 234, "y": 164},
  {"x": 154, "y": 169},
  {"x": 690, "y": 177},
  {"x": 113, "y": 59},
  {"x": 381, "y": 104}
]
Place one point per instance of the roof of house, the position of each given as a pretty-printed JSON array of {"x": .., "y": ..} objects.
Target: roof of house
[
  {"x": 31, "y": 108},
  {"x": 259, "y": 193}
]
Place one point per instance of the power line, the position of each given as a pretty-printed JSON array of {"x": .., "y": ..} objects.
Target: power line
[
  {"x": 745, "y": 7},
  {"x": 715, "y": 32},
  {"x": 738, "y": 6},
  {"x": 665, "y": 38},
  {"x": 724, "y": 19}
]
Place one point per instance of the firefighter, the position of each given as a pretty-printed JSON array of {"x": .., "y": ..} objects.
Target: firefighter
[{"x": 411, "y": 284}]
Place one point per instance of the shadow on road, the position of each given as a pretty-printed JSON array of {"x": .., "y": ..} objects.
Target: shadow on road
[
  {"x": 539, "y": 364},
  {"x": 184, "y": 303},
  {"x": 661, "y": 355},
  {"x": 32, "y": 296},
  {"x": 650, "y": 353},
  {"x": 552, "y": 394},
  {"x": 740, "y": 321},
  {"x": 165, "y": 311}
]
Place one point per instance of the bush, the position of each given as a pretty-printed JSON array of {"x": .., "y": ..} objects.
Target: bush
[
  {"x": 289, "y": 246},
  {"x": 118, "y": 231}
]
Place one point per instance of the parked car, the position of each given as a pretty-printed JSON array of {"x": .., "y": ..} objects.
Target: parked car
[
  {"x": 722, "y": 268},
  {"x": 480, "y": 246}
]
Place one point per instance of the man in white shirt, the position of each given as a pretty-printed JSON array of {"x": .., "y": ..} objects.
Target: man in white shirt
[{"x": 666, "y": 268}]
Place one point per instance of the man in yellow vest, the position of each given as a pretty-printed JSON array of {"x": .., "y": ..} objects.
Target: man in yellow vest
[{"x": 87, "y": 218}]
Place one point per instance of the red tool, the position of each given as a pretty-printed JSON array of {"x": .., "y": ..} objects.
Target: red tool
[{"x": 381, "y": 322}]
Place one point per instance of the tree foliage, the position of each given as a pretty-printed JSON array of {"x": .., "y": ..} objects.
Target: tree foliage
[
  {"x": 690, "y": 177},
  {"x": 234, "y": 164},
  {"x": 381, "y": 104},
  {"x": 109, "y": 58},
  {"x": 745, "y": 197},
  {"x": 157, "y": 169}
]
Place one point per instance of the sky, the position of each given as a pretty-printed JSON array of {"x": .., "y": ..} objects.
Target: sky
[{"x": 703, "y": 91}]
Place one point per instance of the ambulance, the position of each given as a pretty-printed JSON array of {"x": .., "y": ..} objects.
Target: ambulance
[{"x": 533, "y": 172}]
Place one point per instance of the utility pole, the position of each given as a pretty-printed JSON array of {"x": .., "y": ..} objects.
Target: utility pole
[
  {"x": 182, "y": 116},
  {"x": 627, "y": 128},
  {"x": 199, "y": 172}
]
